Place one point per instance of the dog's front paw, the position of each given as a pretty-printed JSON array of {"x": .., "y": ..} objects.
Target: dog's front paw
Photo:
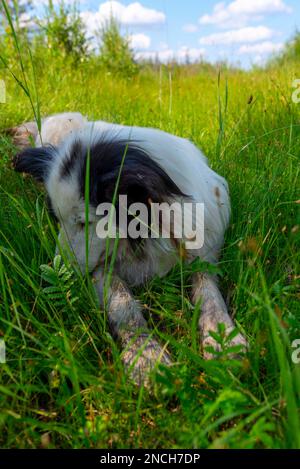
[
  {"x": 212, "y": 348},
  {"x": 141, "y": 356}
]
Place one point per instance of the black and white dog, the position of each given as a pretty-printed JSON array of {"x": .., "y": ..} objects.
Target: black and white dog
[{"x": 147, "y": 166}]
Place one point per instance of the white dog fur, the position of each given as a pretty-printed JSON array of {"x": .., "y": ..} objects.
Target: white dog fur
[{"x": 188, "y": 170}]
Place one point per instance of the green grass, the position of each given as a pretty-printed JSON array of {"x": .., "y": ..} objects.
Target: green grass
[{"x": 63, "y": 384}]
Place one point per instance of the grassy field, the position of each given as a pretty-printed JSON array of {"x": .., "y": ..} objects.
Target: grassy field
[{"x": 63, "y": 385}]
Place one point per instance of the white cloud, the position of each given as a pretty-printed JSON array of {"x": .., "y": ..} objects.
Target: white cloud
[
  {"x": 163, "y": 46},
  {"x": 241, "y": 12},
  {"x": 190, "y": 28},
  {"x": 139, "y": 41},
  {"x": 133, "y": 14},
  {"x": 258, "y": 60},
  {"x": 166, "y": 55},
  {"x": 260, "y": 6},
  {"x": 55, "y": 2},
  {"x": 192, "y": 53},
  {"x": 238, "y": 36},
  {"x": 261, "y": 48},
  {"x": 25, "y": 21}
]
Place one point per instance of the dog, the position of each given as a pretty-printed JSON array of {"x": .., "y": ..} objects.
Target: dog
[{"x": 85, "y": 164}]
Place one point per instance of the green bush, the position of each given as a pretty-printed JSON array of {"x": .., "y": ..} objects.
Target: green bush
[
  {"x": 290, "y": 53},
  {"x": 115, "y": 52},
  {"x": 65, "y": 31}
]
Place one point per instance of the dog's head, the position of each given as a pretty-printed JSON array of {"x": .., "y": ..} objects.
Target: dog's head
[{"x": 100, "y": 168}]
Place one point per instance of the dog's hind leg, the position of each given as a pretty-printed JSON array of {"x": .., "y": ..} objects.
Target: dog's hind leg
[
  {"x": 23, "y": 135},
  {"x": 213, "y": 312},
  {"x": 54, "y": 129},
  {"x": 141, "y": 352}
]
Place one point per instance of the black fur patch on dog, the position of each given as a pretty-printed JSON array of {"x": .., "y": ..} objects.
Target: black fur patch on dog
[
  {"x": 50, "y": 208},
  {"x": 35, "y": 161},
  {"x": 75, "y": 156},
  {"x": 125, "y": 165},
  {"x": 141, "y": 177}
]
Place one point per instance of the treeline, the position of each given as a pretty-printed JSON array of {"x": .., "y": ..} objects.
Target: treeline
[{"x": 61, "y": 35}]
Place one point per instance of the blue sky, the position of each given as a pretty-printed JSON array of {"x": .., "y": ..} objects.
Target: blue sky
[{"x": 244, "y": 31}]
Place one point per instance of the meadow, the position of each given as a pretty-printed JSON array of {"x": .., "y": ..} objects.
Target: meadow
[{"x": 63, "y": 385}]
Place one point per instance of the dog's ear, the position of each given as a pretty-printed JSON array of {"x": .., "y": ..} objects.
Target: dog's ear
[
  {"x": 35, "y": 161},
  {"x": 145, "y": 181},
  {"x": 140, "y": 178}
]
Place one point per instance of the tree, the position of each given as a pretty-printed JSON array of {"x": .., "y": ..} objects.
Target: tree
[
  {"x": 65, "y": 30},
  {"x": 290, "y": 52},
  {"x": 18, "y": 10},
  {"x": 115, "y": 51},
  {"x": 292, "y": 48}
]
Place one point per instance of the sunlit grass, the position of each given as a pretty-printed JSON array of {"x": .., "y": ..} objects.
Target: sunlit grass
[{"x": 63, "y": 375}]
